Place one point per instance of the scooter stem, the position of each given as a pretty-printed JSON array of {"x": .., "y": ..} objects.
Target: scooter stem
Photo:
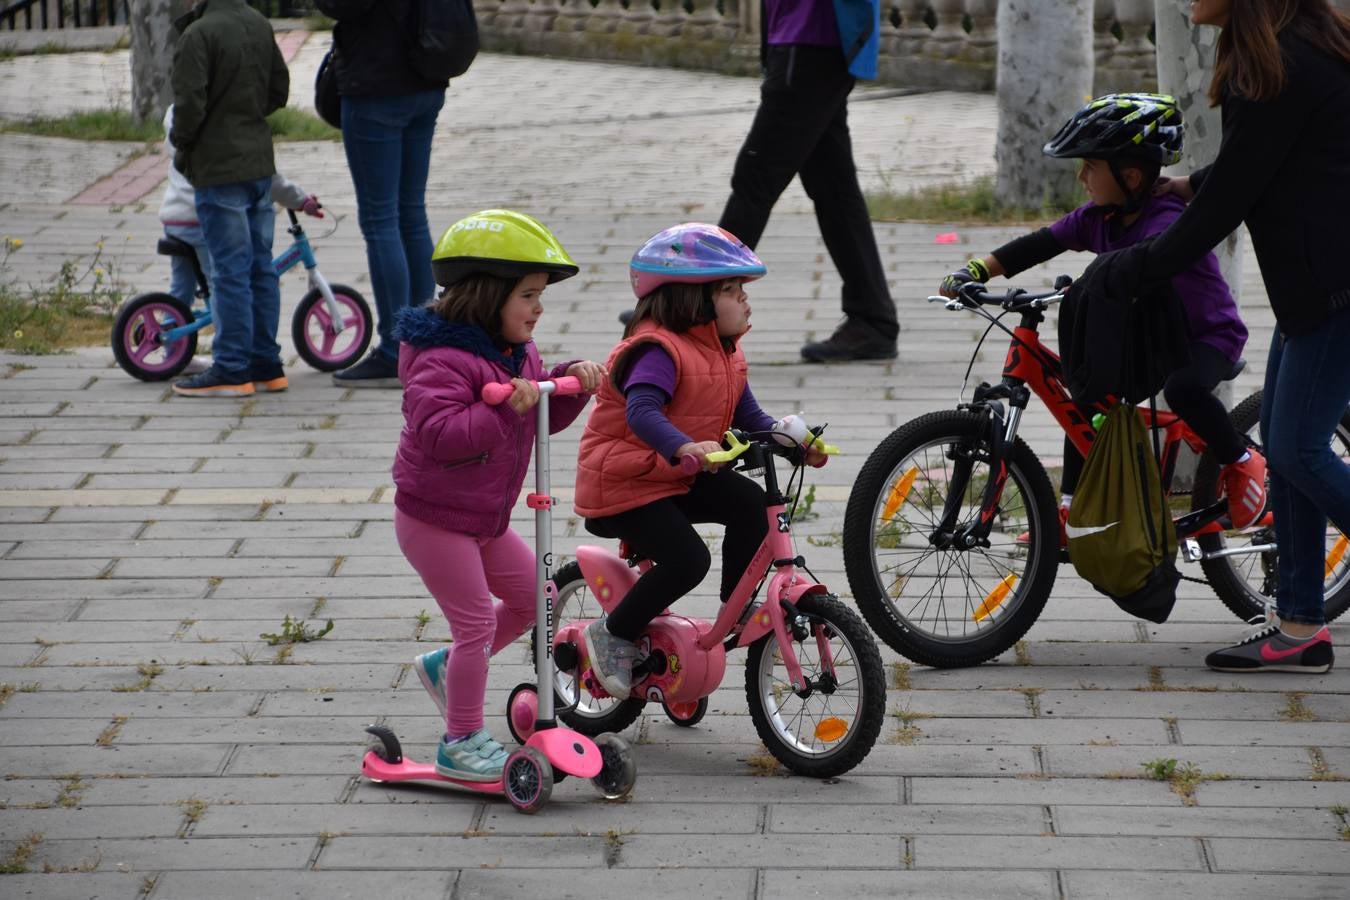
[{"x": 542, "y": 501}]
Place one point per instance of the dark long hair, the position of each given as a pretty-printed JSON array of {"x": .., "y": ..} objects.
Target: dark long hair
[
  {"x": 1249, "y": 62},
  {"x": 478, "y": 300},
  {"x": 675, "y": 306}
]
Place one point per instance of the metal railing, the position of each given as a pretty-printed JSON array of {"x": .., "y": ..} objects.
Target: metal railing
[{"x": 30, "y": 15}]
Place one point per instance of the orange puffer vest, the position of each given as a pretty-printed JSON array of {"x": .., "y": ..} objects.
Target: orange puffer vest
[{"x": 616, "y": 471}]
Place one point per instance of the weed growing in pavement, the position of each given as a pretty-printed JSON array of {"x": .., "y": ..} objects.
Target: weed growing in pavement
[
  {"x": 109, "y": 734},
  {"x": 17, "y": 861},
  {"x": 148, "y": 672},
  {"x": 762, "y": 763},
  {"x": 1183, "y": 777},
  {"x": 75, "y": 309},
  {"x": 801, "y": 509},
  {"x": 295, "y": 631},
  {"x": 1295, "y": 710}
]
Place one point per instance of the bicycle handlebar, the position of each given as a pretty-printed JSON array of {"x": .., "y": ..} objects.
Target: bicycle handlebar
[
  {"x": 738, "y": 444},
  {"x": 496, "y": 392},
  {"x": 974, "y": 293}
]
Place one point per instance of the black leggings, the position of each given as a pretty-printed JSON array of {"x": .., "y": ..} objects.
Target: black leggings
[
  {"x": 664, "y": 532},
  {"x": 1190, "y": 394}
]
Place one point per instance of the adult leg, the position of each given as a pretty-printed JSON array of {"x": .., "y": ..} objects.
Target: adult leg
[
  {"x": 412, "y": 204},
  {"x": 224, "y": 212},
  {"x": 452, "y": 568},
  {"x": 830, "y": 179},
  {"x": 265, "y": 352},
  {"x": 1307, "y": 393},
  {"x": 795, "y": 107},
  {"x": 372, "y": 135}
]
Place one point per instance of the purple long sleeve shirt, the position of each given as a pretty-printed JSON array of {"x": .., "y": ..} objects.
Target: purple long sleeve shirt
[{"x": 648, "y": 389}]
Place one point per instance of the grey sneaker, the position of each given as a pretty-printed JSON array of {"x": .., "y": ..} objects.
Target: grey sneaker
[
  {"x": 475, "y": 758},
  {"x": 611, "y": 658},
  {"x": 1268, "y": 649},
  {"x": 431, "y": 669}
]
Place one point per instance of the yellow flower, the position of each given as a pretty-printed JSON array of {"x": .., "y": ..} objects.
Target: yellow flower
[
  {"x": 99, "y": 272},
  {"x": 99, "y": 244},
  {"x": 14, "y": 243},
  {"x": 17, "y": 334}
]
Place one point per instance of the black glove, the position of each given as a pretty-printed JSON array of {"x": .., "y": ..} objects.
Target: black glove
[{"x": 975, "y": 270}]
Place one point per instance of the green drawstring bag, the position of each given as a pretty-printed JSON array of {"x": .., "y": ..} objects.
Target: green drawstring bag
[{"x": 1121, "y": 538}]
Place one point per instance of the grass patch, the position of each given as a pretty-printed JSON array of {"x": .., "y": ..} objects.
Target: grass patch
[
  {"x": 1183, "y": 777},
  {"x": 17, "y": 861},
  {"x": 110, "y": 124},
  {"x": 291, "y": 124},
  {"x": 968, "y": 203},
  {"x": 74, "y": 309}
]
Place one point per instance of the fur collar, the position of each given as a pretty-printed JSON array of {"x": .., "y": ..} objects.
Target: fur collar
[{"x": 422, "y": 328}]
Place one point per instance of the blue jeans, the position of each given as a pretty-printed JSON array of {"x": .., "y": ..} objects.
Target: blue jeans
[
  {"x": 1306, "y": 392},
  {"x": 239, "y": 221},
  {"x": 182, "y": 279},
  {"x": 388, "y": 143}
]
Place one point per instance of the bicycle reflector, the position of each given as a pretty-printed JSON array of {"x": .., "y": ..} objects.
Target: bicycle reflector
[
  {"x": 995, "y": 598},
  {"x": 1336, "y": 555},
  {"x": 899, "y": 491},
  {"x": 831, "y": 729}
]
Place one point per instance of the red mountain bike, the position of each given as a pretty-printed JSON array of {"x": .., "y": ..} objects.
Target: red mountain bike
[{"x": 931, "y": 532}]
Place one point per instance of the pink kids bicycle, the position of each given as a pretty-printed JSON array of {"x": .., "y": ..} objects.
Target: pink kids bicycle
[
  {"x": 548, "y": 752},
  {"x": 813, "y": 675}
]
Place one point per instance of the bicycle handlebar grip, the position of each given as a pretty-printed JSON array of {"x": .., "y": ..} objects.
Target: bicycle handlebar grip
[
  {"x": 496, "y": 392},
  {"x": 690, "y": 464}
]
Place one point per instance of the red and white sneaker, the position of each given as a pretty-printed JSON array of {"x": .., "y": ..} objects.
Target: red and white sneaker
[{"x": 1244, "y": 483}]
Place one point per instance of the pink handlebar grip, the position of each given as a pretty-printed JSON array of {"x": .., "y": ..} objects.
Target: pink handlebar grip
[
  {"x": 496, "y": 392},
  {"x": 690, "y": 464}
]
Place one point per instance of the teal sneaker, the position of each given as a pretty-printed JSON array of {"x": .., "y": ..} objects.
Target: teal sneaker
[
  {"x": 431, "y": 669},
  {"x": 475, "y": 758}
]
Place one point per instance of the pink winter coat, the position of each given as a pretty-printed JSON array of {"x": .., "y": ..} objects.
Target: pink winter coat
[{"x": 460, "y": 462}]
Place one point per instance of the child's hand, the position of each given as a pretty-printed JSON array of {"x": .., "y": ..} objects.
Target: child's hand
[
  {"x": 312, "y": 207},
  {"x": 1179, "y": 186},
  {"x": 525, "y": 395},
  {"x": 701, "y": 450},
  {"x": 815, "y": 457},
  {"x": 590, "y": 374}
]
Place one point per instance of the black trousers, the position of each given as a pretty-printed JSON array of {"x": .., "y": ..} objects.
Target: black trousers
[
  {"x": 664, "y": 532},
  {"x": 801, "y": 128},
  {"x": 1190, "y": 394}
]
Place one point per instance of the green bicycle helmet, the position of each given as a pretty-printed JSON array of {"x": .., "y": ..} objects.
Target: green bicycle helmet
[
  {"x": 499, "y": 242},
  {"x": 1145, "y": 127}
]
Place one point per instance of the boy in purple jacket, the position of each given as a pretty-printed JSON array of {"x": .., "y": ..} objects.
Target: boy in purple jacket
[{"x": 1124, "y": 141}]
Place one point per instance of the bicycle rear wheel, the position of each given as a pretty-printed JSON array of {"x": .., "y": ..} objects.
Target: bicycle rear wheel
[
  {"x": 939, "y": 605},
  {"x": 1246, "y": 583}
]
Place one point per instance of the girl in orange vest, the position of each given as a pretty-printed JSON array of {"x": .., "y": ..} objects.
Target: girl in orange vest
[{"x": 677, "y": 382}]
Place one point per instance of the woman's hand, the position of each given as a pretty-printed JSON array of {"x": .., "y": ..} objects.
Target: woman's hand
[
  {"x": 524, "y": 396},
  {"x": 701, "y": 450},
  {"x": 590, "y": 374},
  {"x": 1180, "y": 186}
]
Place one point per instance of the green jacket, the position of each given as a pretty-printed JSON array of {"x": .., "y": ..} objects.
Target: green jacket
[{"x": 228, "y": 75}]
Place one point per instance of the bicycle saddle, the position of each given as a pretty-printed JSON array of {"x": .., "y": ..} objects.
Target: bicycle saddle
[
  {"x": 1236, "y": 370},
  {"x": 172, "y": 246}
]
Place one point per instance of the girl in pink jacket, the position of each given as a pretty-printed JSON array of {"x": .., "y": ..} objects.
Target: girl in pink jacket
[{"x": 461, "y": 462}]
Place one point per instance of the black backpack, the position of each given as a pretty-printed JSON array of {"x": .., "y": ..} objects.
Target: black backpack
[{"x": 442, "y": 37}]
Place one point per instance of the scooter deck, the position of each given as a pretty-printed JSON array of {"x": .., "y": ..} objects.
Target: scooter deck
[{"x": 406, "y": 770}]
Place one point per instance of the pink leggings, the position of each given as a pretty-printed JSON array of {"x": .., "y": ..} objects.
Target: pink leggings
[{"x": 463, "y": 572}]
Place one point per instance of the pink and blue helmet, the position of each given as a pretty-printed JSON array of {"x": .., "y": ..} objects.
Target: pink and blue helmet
[{"x": 692, "y": 253}]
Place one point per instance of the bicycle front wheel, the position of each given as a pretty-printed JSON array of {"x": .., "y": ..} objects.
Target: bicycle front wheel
[
  {"x": 937, "y": 604},
  {"x": 1245, "y": 582}
]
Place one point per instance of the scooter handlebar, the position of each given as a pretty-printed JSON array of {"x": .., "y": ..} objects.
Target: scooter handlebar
[{"x": 497, "y": 392}]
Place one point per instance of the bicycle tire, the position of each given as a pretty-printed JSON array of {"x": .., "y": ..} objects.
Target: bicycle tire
[
  {"x": 780, "y": 715},
  {"x": 1246, "y": 583},
  {"x": 1000, "y": 590},
  {"x": 592, "y": 716},
  {"x": 332, "y": 356},
  {"x": 129, "y": 337}
]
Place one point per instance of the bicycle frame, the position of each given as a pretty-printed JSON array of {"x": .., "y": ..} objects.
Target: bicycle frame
[
  {"x": 1032, "y": 368},
  {"x": 298, "y": 252}
]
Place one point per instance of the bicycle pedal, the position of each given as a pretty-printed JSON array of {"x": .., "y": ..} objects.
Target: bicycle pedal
[{"x": 1190, "y": 550}]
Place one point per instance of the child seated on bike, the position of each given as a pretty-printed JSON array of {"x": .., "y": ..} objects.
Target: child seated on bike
[
  {"x": 677, "y": 381},
  {"x": 1124, "y": 140},
  {"x": 178, "y": 215},
  {"x": 461, "y": 462}
]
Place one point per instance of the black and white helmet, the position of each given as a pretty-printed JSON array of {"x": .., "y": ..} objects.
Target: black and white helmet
[{"x": 1145, "y": 127}]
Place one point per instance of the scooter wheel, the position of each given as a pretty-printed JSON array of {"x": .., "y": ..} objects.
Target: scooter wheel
[
  {"x": 522, "y": 709},
  {"x": 386, "y": 745},
  {"x": 618, "y": 769},
  {"x": 527, "y": 780},
  {"x": 686, "y": 715}
]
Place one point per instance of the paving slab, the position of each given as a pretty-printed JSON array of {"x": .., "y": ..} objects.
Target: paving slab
[{"x": 147, "y": 541}]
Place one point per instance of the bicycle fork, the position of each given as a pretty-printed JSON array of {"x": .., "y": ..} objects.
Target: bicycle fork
[{"x": 947, "y": 536}]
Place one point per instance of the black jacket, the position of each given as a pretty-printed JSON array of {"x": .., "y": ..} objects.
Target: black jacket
[
  {"x": 1120, "y": 337},
  {"x": 372, "y": 49},
  {"x": 1284, "y": 169}
]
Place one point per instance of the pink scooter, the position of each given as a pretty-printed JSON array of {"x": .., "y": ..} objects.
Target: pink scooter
[
  {"x": 814, "y": 680},
  {"x": 549, "y": 751}
]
